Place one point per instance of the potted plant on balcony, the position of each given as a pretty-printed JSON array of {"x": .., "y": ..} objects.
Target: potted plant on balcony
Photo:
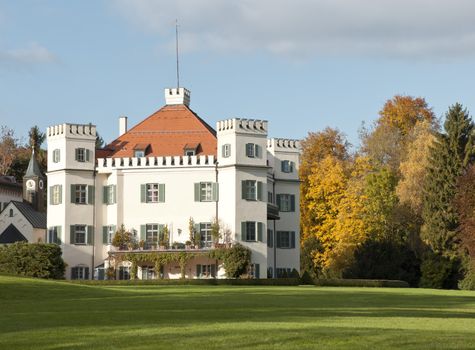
[
  {"x": 164, "y": 238},
  {"x": 215, "y": 232},
  {"x": 142, "y": 244},
  {"x": 187, "y": 244},
  {"x": 192, "y": 230}
]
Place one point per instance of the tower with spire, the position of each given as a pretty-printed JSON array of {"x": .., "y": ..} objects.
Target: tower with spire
[{"x": 34, "y": 185}]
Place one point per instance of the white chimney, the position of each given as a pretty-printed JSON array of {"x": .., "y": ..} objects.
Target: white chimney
[
  {"x": 177, "y": 96},
  {"x": 122, "y": 125}
]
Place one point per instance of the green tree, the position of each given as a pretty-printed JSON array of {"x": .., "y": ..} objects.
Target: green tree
[{"x": 451, "y": 153}]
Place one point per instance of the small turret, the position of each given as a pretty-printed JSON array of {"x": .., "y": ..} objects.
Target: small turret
[{"x": 34, "y": 185}]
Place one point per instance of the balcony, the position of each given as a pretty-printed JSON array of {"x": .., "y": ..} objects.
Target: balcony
[{"x": 272, "y": 212}]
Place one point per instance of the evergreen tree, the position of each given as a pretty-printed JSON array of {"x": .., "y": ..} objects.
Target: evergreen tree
[{"x": 451, "y": 153}]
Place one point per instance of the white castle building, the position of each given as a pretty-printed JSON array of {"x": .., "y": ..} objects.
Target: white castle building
[{"x": 167, "y": 169}]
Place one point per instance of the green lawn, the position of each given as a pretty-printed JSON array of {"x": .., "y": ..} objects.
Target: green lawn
[{"x": 38, "y": 314}]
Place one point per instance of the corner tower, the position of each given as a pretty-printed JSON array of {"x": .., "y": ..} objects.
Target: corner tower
[{"x": 34, "y": 185}]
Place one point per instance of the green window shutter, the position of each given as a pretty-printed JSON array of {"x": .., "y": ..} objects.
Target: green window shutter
[
  {"x": 244, "y": 189},
  {"x": 282, "y": 166},
  {"x": 90, "y": 234},
  {"x": 87, "y": 154},
  {"x": 74, "y": 273},
  {"x": 160, "y": 231},
  {"x": 278, "y": 243},
  {"x": 51, "y": 195},
  {"x": 161, "y": 193},
  {"x": 114, "y": 230},
  {"x": 292, "y": 239},
  {"x": 257, "y": 272},
  {"x": 105, "y": 194},
  {"x": 114, "y": 194},
  {"x": 213, "y": 270},
  {"x": 198, "y": 270},
  {"x": 58, "y": 234},
  {"x": 260, "y": 230},
  {"x": 257, "y": 151},
  {"x": 76, "y": 153},
  {"x": 243, "y": 231},
  {"x": 292, "y": 202},
  {"x": 292, "y": 166},
  {"x": 277, "y": 199},
  {"x": 90, "y": 194},
  {"x": 73, "y": 193},
  {"x": 60, "y": 194},
  {"x": 223, "y": 150},
  {"x": 215, "y": 193},
  {"x": 197, "y": 192},
  {"x": 260, "y": 191},
  {"x": 86, "y": 275},
  {"x": 143, "y": 232},
  {"x": 105, "y": 232},
  {"x": 72, "y": 232},
  {"x": 143, "y": 193}
]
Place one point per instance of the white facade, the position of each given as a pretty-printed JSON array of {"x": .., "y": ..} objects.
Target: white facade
[{"x": 245, "y": 157}]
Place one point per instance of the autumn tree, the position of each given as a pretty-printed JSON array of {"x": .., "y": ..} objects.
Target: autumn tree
[
  {"x": 315, "y": 147},
  {"x": 404, "y": 112},
  {"x": 413, "y": 168},
  {"x": 8, "y": 145}
]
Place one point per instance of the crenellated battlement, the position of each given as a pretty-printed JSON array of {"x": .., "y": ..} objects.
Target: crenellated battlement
[
  {"x": 72, "y": 130},
  {"x": 251, "y": 126},
  {"x": 177, "y": 96},
  {"x": 105, "y": 164},
  {"x": 284, "y": 144}
]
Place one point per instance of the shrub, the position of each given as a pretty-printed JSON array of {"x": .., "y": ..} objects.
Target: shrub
[
  {"x": 236, "y": 260},
  {"x": 196, "y": 282},
  {"x": 385, "y": 260},
  {"x": 306, "y": 278},
  {"x": 439, "y": 272},
  {"x": 468, "y": 282},
  {"x": 124, "y": 239},
  {"x": 32, "y": 260},
  {"x": 341, "y": 282}
]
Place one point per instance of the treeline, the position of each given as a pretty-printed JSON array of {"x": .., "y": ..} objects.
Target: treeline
[{"x": 400, "y": 207}]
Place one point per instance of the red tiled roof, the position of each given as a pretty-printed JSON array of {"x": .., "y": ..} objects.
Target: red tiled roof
[{"x": 166, "y": 132}]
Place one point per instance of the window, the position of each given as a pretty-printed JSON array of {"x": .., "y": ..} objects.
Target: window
[
  {"x": 270, "y": 272},
  {"x": 254, "y": 271},
  {"x": 81, "y": 234},
  {"x": 285, "y": 239},
  {"x": 287, "y": 166},
  {"x": 139, "y": 153},
  {"x": 190, "y": 152},
  {"x": 206, "y": 192},
  {"x": 206, "y": 271},
  {"x": 205, "y": 234},
  {"x": 252, "y": 150},
  {"x": 252, "y": 190},
  {"x": 148, "y": 272},
  {"x": 56, "y": 194},
  {"x": 270, "y": 238},
  {"x": 152, "y": 193},
  {"x": 54, "y": 235},
  {"x": 56, "y": 156},
  {"x": 82, "y": 155},
  {"x": 226, "y": 150},
  {"x": 286, "y": 202},
  {"x": 108, "y": 233},
  {"x": 151, "y": 235},
  {"x": 80, "y": 273},
  {"x": 82, "y": 194},
  {"x": 251, "y": 231},
  {"x": 11, "y": 213},
  {"x": 124, "y": 273},
  {"x": 283, "y": 272},
  {"x": 270, "y": 197},
  {"x": 109, "y": 194}
]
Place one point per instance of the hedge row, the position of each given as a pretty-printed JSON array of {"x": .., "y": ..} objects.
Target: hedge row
[
  {"x": 197, "y": 282},
  {"x": 360, "y": 283}
]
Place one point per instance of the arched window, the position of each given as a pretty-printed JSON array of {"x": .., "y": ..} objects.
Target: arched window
[{"x": 11, "y": 213}]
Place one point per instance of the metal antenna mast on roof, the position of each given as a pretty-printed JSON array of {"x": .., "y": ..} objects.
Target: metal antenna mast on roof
[{"x": 177, "y": 62}]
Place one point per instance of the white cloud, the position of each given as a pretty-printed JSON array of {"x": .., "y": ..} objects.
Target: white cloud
[
  {"x": 31, "y": 54},
  {"x": 394, "y": 28}
]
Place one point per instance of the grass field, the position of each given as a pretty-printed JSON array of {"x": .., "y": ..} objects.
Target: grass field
[{"x": 39, "y": 314}]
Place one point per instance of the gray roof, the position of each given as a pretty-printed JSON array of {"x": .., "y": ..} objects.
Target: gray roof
[
  {"x": 11, "y": 235},
  {"x": 36, "y": 219},
  {"x": 33, "y": 167}
]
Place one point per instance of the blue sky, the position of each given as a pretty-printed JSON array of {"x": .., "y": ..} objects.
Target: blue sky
[{"x": 303, "y": 64}]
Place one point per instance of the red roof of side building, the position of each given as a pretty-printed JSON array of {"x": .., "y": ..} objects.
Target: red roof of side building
[{"x": 165, "y": 133}]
